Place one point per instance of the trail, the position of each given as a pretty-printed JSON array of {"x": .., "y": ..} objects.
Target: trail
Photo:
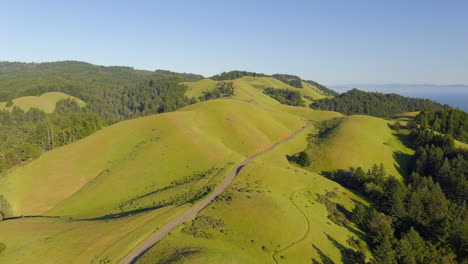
[
  {"x": 302, "y": 237},
  {"x": 192, "y": 212}
]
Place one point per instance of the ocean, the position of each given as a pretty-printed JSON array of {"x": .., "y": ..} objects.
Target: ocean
[{"x": 455, "y": 100}]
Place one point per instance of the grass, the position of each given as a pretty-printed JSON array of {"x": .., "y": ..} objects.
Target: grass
[
  {"x": 250, "y": 88},
  {"x": 360, "y": 141},
  {"x": 196, "y": 89},
  {"x": 45, "y": 102},
  {"x": 104, "y": 194},
  {"x": 269, "y": 212}
]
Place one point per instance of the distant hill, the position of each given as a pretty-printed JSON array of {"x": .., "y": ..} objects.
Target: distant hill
[
  {"x": 291, "y": 80},
  {"x": 45, "y": 102}
]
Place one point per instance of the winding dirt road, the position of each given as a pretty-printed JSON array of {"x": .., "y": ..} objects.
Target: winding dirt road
[{"x": 192, "y": 212}]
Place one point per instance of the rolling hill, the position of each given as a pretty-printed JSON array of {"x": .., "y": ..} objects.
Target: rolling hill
[
  {"x": 45, "y": 102},
  {"x": 97, "y": 199},
  {"x": 164, "y": 161}
]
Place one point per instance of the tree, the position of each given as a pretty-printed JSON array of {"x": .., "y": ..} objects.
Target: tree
[
  {"x": 9, "y": 103},
  {"x": 303, "y": 159}
]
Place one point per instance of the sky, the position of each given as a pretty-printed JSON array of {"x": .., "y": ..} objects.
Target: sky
[{"x": 332, "y": 42}]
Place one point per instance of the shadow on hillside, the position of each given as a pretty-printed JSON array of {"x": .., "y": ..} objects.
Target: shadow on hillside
[
  {"x": 405, "y": 139},
  {"x": 123, "y": 214},
  {"x": 343, "y": 250},
  {"x": 324, "y": 259},
  {"x": 403, "y": 163}
]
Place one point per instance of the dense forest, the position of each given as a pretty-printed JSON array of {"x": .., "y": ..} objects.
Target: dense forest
[
  {"x": 25, "y": 135},
  {"x": 449, "y": 121},
  {"x": 423, "y": 219},
  {"x": 374, "y": 104},
  {"x": 285, "y": 96},
  {"x": 115, "y": 93}
]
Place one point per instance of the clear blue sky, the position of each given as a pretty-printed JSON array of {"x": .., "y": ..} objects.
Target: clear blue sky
[{"x": 333, "y": 42}]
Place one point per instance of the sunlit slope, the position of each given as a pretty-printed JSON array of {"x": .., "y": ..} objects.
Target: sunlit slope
[
  {"x": 255, "y": 85},
  {"x": 360, "y": 141},
  {"x": 45, "y": 102},
  {"x": 269, "y": 214},
  {"x": 196, "y": 89},
  {"x": 142, "y": 155}
]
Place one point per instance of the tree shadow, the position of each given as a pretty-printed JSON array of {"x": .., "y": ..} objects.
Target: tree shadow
[
  {"x": 343, "y": 250},
  {"x": 357, "y": 232},
  {"x": 324, "y": 258},
  {"x": 403, "y": 163}
]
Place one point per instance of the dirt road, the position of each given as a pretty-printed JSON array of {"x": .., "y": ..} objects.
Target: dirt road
[{"x": 192, "y": 212}]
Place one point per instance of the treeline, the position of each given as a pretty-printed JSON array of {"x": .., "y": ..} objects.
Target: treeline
[
  {"x": 449, "y": 121},
  {"x": 186, "y": 77},
  {"x": 25, "y": 135},
  {"x": 148, "y": 97},
  {"x": 292, "y": 80},
  {"x": 224, "y": 76},
  {"x": 115, "y": 93},
  {"x": 285, "y": 96},
  {"x": 325, "y": 90},
  {"x": 374, "y": 104},
  {"x": 425, "y": 219},
  {"x": 222, "y": 89}
]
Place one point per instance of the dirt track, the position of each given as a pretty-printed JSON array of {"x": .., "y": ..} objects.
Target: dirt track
[{"x": 192, "y": 212}]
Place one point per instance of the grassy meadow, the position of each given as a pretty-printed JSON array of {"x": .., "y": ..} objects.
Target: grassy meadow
[{"x": 45, "y": 102}]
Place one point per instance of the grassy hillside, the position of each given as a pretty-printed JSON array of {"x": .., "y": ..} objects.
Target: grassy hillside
[
  {"x": 97, "y": 198},
  {"x": 196, "y": 89},
  {"x": 255, "y": 85},
  {"x": 360, "y": 141},
  {"x": 160, "y": 161},
  {"x": 270, "y": 213},
  {"x": 45, "y": 102}
]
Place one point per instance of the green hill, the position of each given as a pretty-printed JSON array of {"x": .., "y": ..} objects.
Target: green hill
[
  {"x": 45, "y": 102},
  {"x": 157, "y": 163},
  {"x": 96, "y": 199}
]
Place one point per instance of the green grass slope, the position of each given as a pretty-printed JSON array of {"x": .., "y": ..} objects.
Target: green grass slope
[
  {"x": 99, "y": 197},
  {"x": 360, "y": 141},
  {"x": 255, "y": 85},
  {"x": 269, "y": 214},
  {"x": 196, "y": 89},
  {"x": 45, "y": 102}
]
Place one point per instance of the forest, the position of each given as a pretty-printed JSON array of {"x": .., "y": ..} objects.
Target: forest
[
  {"x": 375, "y": 104},
  {"x": 115, "y": 93},
  {"x": 423, "y": 219},
  {"x": 285, "y": 96},
  {"x": 25, "y": 135},
  {"x": 449, "y": 121}
]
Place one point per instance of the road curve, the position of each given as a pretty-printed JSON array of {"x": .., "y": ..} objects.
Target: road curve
[{"x": 192, "y": 212}]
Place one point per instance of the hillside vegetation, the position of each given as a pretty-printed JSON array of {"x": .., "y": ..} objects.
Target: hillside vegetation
[
  {"x": 45, "y": 102},
  {"x": 347, "y": 189},
  {"x": 450, "y": 121},
  {"x": 115, "y": 93},
  {"x": 80, "y": 179},
  {"x": 375, "y": 104}
]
